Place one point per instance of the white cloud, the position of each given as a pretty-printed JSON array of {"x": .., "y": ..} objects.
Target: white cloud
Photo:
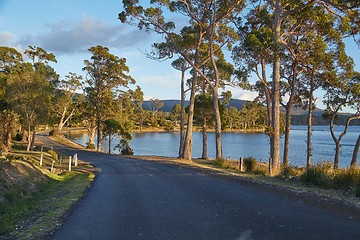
[
  {"x": 65, "y": 37},
  {"x": 7, "y": 39}
]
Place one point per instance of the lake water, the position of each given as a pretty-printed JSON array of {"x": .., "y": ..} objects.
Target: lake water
[{"x": 236, "y": 145}]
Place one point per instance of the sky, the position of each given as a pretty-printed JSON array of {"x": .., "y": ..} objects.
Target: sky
[{"x": 68, "y": 28}]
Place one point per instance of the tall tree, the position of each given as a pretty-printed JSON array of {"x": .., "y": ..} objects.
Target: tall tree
[
  {"x": 66, "y": 101},
  {"x": 343, "y": 94},
  {"x": 208, "y": 21},
  {"x": 106, "y": 79}
]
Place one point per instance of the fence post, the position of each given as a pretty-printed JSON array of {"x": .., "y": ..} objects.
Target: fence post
[
  {"x": 76, "y": 159},
  {"x": 241, "y": 164},
  {"x": 69, "y": 163},
  {"x": 41, "y": 159},
  {"x": 52, "y": 166}
]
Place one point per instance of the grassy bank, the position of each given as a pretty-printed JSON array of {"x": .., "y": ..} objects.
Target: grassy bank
[{"x": 33, "y": 200}]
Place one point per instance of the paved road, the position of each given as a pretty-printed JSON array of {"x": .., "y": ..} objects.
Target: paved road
[{"x": 134, "y": 199}]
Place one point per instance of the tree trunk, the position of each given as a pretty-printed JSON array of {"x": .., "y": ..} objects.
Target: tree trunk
[
  {"x": 310, "y": 122},
  {"x": 182, "y": 112},
  {"x": 33, "y": 140},
  {"x": 275, "y": 155},
  {"x": 187, "y": 152},
  {"x": 288, "y": 114},
  {"x": 217, "y": 126},
  {"x": 216, "y": 93},
  {"x": 98, "y": 147},
  {"x": 287, "y": 135},
  {"x": 109, "y": 143},
  {"x": 355, "y": 153},
  {"x": 204, "y": 134},
  {"x": 337, "y": 154},
  {"x": 29, "y": 138}
]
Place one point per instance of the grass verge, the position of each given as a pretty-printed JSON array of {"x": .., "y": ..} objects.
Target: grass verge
[{"x": 35, "y": 200}]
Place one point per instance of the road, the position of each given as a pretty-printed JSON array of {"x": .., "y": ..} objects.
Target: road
[{"x": 136, "y": 199}]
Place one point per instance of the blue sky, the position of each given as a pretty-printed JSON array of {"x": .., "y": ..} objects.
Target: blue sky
[{"x": 69, "y": 27}]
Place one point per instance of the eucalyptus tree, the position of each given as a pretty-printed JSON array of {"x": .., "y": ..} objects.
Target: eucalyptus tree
[
  {"x": 344, "y": 93},
  {"x": 209, "y": 21},
  {"x": 111, "y": 129},
  {"x": 66, "y": 100},
  {"x": 281, "y": 11},
  {"x": 10, "y": 60},
  {"x": 252, "y": 55},
  {"x": 139, "y": 113},
  {"x": 203, "y": 113},
  {"x": 30, "y": 89},
  {"x": 107, "y": 80},
  {"x": 181, "y": 64}
]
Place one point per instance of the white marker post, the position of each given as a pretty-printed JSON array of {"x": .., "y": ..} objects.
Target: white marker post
[
  {"x": 52, "y": 166},
  {"x": 241, "y": 162},
  {"x": 41, "y": 159},
  {"x": 69, "y": 163},
  {"x": 76, "y": 159}
]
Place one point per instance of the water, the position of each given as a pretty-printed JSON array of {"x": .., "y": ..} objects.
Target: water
[{"x": 236, "y": 145}]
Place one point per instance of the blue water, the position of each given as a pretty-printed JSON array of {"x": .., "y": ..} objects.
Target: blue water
[{"x": 236, "y": 145}]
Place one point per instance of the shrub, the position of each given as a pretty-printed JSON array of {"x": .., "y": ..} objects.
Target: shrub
[
  {"x": 250, "y": 164},
  {"x": 319, "y": 175},
  {"x": 18, "y": 137},
  {"x": 346, "y": 179},
  {"x": 288, "y": 172},
  {"x": 52, "y": 153},
  {"x": 90, "y": 146}
]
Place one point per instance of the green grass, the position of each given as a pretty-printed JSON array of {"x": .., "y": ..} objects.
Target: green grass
[{"x": 31, "y": 213}]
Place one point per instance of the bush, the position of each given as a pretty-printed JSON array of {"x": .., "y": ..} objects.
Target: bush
[
  {"x": 250, "y": 164},
  {"x": 18, "y": 137},
  {"x": 288, "y": 172},
  {"x": 52, "y": 153},
  {"x": 90, "y": 146},
  {"x": 319, "y": 175},
  {"x": 54, "y": 132},
  {"x": 346, "y": 179}
]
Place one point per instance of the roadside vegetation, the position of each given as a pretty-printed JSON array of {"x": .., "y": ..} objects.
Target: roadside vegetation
[
  {"x": 33, "y": 198},
  {"x": 321, "y": 175}
]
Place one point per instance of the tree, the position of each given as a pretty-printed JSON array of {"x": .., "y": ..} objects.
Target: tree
[
  {"x": 155, "y": 105},
  {"x": 203, "y": 112},
  {"x": 106, "y": 79},
  {"x": 208, "y": 23},
  {"x": 180, "y": 64},
  {"x": 8, "y": 121},
  {"x": 345, "y": 93},
  {"x": 30, "y": 88},
  {"x": 66, "y": 101},
  {"x": 111, "y": 128}
]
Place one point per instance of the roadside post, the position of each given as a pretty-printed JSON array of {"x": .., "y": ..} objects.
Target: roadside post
[
  {"x": 52, "y": 166},
  {"x": 241, "y": 164},
  {"x": 41, "y": 159},
  {"x": 69, "y": 163},
  {"x": 75, "y": 159}
]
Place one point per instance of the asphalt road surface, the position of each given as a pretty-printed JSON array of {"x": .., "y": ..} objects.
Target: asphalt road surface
[{"x": 135, "y": 199}]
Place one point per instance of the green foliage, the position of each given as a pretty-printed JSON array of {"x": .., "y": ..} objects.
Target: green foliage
[
  {"x": 318, "y": 175},
  {"x": 52, "y": 153},
  {"x": 323, "y": 175},
  {"x": 250, "y": 164},
  {"x": 90, "y": 146},
  {"x": 346, "y": 179},
  {"x": 288, "y": 172}
]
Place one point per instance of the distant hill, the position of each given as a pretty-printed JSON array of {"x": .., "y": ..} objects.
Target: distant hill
[
  {"x": 169, "y": 104},
  {"x": 299, "y": 115}
]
